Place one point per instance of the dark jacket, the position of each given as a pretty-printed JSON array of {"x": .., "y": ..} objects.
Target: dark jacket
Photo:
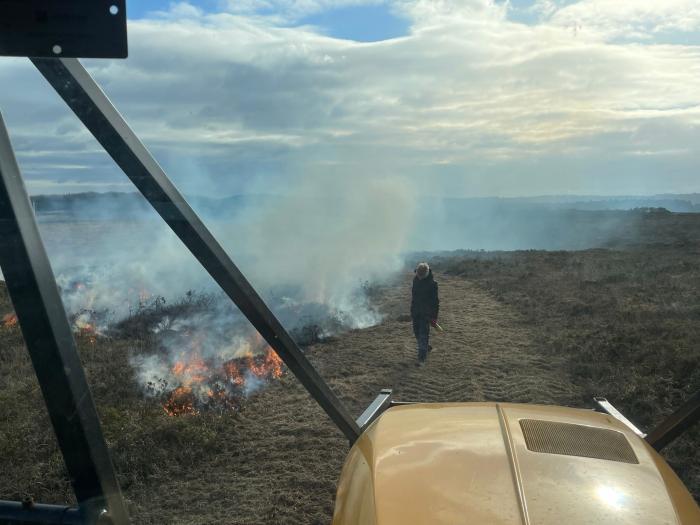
[{"x": 424, "y": 297}]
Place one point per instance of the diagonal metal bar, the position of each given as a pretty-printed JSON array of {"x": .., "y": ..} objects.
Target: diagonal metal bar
[
  {"x": 375, "y": 409},
  {"x": 84, "y": 96},
  {"x": 47, "y": 334},
  {"x": 608, "y": 407},
  {"x": 677, "y": 423}
]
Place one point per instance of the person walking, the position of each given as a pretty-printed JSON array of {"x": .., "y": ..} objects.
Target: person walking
[{"x": 425, "y": 305}]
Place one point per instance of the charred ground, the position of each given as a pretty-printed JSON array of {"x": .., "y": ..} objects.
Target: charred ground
[{"x": 533, "y": 326}]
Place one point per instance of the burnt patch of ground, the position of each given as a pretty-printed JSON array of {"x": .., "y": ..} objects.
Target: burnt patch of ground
[{"x": 157, "y": 314}]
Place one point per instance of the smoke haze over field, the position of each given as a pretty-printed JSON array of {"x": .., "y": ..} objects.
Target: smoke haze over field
[
  {"x": 317, "y": 248},
  {"x": 309, "y": 254},
  {"x": 331, "y": 235}
]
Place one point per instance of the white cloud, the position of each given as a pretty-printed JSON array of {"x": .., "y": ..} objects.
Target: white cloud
[{"x": 628, "y": 19}]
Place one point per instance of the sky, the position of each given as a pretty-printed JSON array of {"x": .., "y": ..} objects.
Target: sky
[{"x": 447, "y": 97}]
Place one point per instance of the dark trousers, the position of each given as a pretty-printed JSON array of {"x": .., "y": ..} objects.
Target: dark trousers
[{"x": 421, "y": 329}]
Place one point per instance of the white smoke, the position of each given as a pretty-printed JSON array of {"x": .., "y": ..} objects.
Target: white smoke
[
  {"x": 310, "y": 253},
  {"x": 331, "y": 236},
  {"x": 319, "y": 244}
]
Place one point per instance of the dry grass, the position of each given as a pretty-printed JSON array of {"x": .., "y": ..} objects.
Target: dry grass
[
  {"x": 626, "y": 322},
  {"x": 547, "y": 327},
  {"x": 277, "y": 460}
]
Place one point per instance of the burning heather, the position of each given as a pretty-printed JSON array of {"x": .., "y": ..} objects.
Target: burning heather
[
  {"x": 206, "y": 373},
  {"x": 81, "y": 325},
  {"x": 126, "y": 278},
  {"x": 206, "y": 385},
  {"x": 199, "y": 353},
  {"x": 85, "y": 326}
]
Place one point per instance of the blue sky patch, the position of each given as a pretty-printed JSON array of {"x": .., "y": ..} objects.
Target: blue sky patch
[
  {"x": 137, "y": 9},
  {"x": 522, "y": 11},
  {"x": 366, "y": 23}
]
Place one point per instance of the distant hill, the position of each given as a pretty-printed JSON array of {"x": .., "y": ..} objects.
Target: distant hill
[
  {"x": 91, "y": 205},
  {"x": 550, "y": 223},
  {"x": 113, "y": 205},
  {"x": 687, "y": 203},
  {"x": 568, "y": 223},
  {"x": 130, "y": 206}
]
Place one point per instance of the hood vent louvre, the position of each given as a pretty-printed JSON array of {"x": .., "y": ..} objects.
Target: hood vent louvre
[{"x": 576, "y": 440}]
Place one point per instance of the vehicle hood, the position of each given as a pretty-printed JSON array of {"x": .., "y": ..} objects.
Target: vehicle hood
[{"x": 470, "y": 463}]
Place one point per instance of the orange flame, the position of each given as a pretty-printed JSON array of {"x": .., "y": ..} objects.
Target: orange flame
[
  {"x": 86, "y": 329},
  {"x": 202, "y": 384},
  {"x": 180, "y": 401},
  {"x": 192, "y": 371},
  {"x": 234, "y": 372},
  {"x": 271, "y": 365},
  {"x": 9, "y": 320}
]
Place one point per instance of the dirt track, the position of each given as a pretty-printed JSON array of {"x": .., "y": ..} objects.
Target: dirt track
[
  {"x": 486, "y": 352},
  {"x": 284, "y": 456}
]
